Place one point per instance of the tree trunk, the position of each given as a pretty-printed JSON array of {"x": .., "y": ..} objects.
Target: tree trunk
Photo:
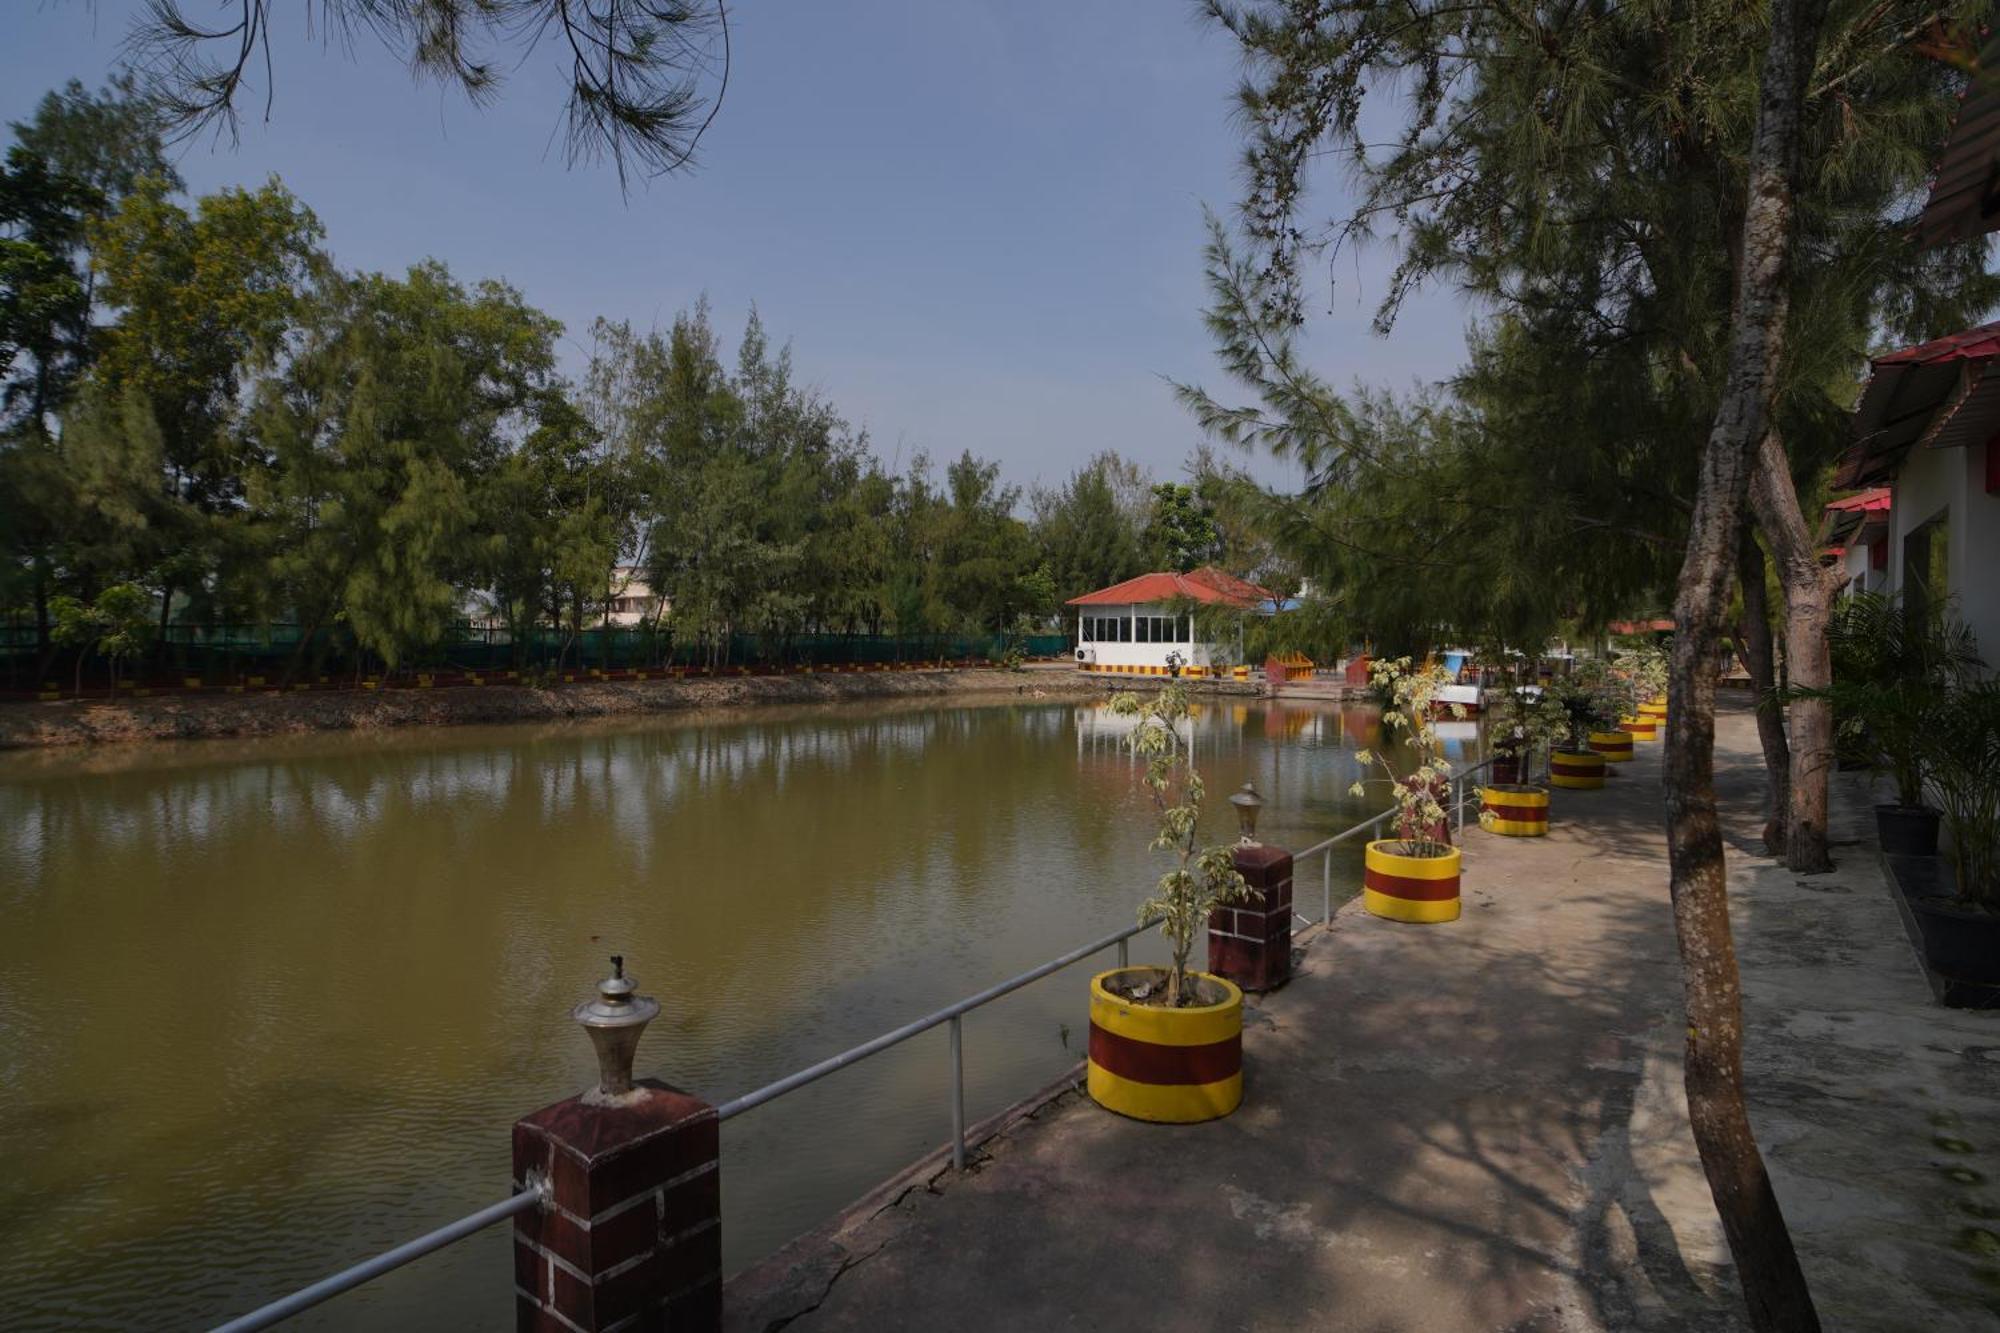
[
  {"x": 1754, "y": 634},
  {"x": 1774, "y": 1287},
  {"x": 1809, "y": 588}
]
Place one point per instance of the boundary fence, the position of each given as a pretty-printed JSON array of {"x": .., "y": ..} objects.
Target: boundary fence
[{"x": 231, "y": 654}]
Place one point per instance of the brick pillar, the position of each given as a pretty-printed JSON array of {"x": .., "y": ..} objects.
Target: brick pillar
[
  {"x": 1251, "y": 942},
  {"x": 633, "y": 1236}
]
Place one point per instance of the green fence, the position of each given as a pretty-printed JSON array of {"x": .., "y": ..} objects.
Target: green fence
[{"x": 227, "y": 652}]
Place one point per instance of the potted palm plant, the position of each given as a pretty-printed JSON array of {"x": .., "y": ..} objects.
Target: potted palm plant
[
  {"x": 1523, "y": 722},
  {"x": 1166, "y": 1043},
  {"x": 1892, "y": 663},
  {"x": 1961, "y": 750},
  {"x": 1413, "y": 876}
]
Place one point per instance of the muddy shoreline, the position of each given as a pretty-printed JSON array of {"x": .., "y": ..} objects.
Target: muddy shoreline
[{"x": 33, "y": 725}]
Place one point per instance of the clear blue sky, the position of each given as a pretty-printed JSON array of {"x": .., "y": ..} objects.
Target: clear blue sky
[{"x": 978, "y": 222}]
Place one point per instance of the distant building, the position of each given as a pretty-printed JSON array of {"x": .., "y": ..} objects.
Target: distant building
[
  {"x": 632, "y": 601},
  {"x": 1139, "y": 627},
  {"x": 1855, "y": 534}
]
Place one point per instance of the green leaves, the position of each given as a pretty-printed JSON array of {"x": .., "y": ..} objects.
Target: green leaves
[
  {"x": 1421, "y": 778},
  {"x": 1202, "y": 878}
]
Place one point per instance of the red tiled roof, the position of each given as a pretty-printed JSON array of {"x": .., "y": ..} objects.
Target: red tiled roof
[
  {"x": 1967, "y": 344},
  {"x": 1640, "y": 626},
  {"x": 1868, "y": 500},
  {"x": 1207, "y": 584},
  {"x": 1963, "y": 200},
  {"x": 1936, "y": 394}
]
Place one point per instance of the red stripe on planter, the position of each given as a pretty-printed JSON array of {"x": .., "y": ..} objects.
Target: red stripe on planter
[
  {"x": 1415, "y": 890},
  {"x": 1150, "y": 1062},
  {"x": 1578, "y": 770},
  {"x": 1535, "y": 814}
]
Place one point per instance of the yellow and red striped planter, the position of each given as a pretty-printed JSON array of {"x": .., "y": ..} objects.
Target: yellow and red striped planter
[
  {"x": 1514, "y": 811},
  {"x": 1173, "y": 1066},
  {"x": 1655, "y": 709},
  {"x": 1642, "y": 728},
  {"x": 1419, "y": 889},
  {"x": 1615, "y": 746},
  {"x": 1577, "y": 772}
]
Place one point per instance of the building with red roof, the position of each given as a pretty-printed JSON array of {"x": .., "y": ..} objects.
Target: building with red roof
[
  {"x": 1145, "y": 625},
  {"x": 1854, "y": 534},
  {"x": 1926, "y": 446}
]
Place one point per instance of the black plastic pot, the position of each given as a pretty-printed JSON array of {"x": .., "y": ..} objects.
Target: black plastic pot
[
  {"x": 1907, "y": 830},
  {"x": 1960, "y": 942}
]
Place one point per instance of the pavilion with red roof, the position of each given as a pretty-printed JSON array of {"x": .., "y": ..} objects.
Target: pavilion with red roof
[{"x": 1145, "y": 626}]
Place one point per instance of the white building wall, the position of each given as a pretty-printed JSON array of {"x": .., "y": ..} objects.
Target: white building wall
[
  {"x": 1951, "y": 483},
  {"x": 1860, "y": 571},
  {"x": 1129, "y": 654}
]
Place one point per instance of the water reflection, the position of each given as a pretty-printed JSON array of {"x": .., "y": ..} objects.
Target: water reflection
[{"x": 268, "y": 1007}]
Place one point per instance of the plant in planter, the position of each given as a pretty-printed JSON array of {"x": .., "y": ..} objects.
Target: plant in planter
[
  {"x": 1646, "y": 668},
  {"x": 1960, "y": 745},
  {"x": 1413, "y": 876},
  {"x": 1529, "y": 719},
  {"x": 1166, "y": 1044},
  {"x": 1592, "y": 700},
  {"x": 1522, "y": 723},
  {"x": 1892, "y": 664}
]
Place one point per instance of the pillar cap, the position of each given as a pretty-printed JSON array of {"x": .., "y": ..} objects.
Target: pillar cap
[{"x": 613, "y": 1022}]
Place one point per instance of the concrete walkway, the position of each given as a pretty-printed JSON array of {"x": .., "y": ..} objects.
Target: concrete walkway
[{"x": 1481, "y": 1126}]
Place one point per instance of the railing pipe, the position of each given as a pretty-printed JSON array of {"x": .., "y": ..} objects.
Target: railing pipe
[
  {"x": 327, "y": 1288},
  {"x": 832, "y": 1064}
]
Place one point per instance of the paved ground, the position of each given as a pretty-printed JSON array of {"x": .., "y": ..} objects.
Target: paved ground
[{"x": 1481, "y": 1126}]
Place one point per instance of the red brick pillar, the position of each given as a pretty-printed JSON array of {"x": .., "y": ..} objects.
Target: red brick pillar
[
  {"x": 1251, "y": 942},
  {"x": 632, "y": 1237}
]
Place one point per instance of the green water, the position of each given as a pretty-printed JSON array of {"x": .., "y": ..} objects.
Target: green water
[{"x": 267, "y": 1008}]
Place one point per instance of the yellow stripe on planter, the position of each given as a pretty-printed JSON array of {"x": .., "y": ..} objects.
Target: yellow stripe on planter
[
  {"x": 1615, "y": 746},
  {"x": 1419, "y": 889},
  {"x": 1174, "y": 1066},
  {"x": 1642, "y": 728},
  {"x": 1656, "y": 711},
  {"x": 1577, "y": 772},
  {"x": 1514, "y": 811}
]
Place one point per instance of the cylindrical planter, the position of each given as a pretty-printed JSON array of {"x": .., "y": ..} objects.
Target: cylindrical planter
[
  {"x": 1655, "y": 709},
  {"x": 1174, "y": 1066},
  {"x": 1642, "y": 728},
  {"x": 1959, "y": 942},
  {"x": 1615, "y": 746},
  {"x": 1420, "y": 889},
  {"x": 1907, "y": 830},
  {"x": 1514, "y": 811},
  {"x": 1577, "y": 772}
]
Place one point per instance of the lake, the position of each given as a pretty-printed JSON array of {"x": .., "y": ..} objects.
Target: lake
[{"x": 269, "y": 1007}]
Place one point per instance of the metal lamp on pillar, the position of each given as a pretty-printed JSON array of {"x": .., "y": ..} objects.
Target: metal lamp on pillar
[
  {"x": 632, "y": 1233},
  {"x": 1248, "y": 803},
  {"x": 1251, "y": 942}
]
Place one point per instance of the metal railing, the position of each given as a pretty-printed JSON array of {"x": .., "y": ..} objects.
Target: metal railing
[
  {"x": 1462, "y": 792},
  {"x": 348, "y": 1278}
]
